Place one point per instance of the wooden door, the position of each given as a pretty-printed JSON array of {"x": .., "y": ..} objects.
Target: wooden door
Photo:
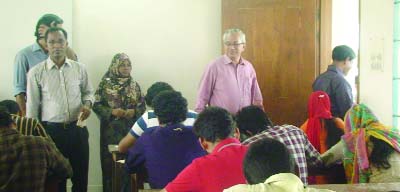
[{"x": 283, "y": 46}]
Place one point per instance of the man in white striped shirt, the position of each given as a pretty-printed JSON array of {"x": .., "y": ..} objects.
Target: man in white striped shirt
[{"x": 60, "y": 93}]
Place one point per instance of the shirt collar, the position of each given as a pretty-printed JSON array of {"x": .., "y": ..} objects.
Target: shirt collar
[
  {"x": 37, "y": 47},
  {"x": 283, "y": 177},
  {"x": 50, "y": 64},
  {"x": 334, "y": 68},
  {"x": 228, "y": 60},
  {"x": 226, "y": 143}
]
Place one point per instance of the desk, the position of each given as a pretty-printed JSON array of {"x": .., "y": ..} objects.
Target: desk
[
  {"x": 117, "y": 168},
  {"x": 366, "y": 187}
]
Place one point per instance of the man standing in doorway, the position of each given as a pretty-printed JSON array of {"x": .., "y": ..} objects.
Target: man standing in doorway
[
  {"x": 59, "y": 89},
  {"x": 333, "y": 82},
  {"x": 230, "y": 81},
  {"x": 32, "y": 55}
]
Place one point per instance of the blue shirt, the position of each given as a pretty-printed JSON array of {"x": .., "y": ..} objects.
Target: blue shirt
[
  {"x": 149, "y": 121},
  {"x": 165, "y": 152},
  {"x": 335, "y": 85},
  {"x": 25, "y": 60}
]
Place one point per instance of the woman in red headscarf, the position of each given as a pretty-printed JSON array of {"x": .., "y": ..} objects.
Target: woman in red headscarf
[{"x": 324, "y": 131}]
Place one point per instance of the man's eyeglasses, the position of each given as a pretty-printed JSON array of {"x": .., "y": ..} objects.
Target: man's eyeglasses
[{"x": 228, "y": 44}]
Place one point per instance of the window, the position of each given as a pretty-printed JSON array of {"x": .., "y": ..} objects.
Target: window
[{"x": 396, "y": 64}]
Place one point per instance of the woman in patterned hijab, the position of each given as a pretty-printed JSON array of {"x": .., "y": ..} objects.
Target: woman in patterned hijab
[
  {"x": 119, "y": 102},
  {"x": 369, "y": 149}
]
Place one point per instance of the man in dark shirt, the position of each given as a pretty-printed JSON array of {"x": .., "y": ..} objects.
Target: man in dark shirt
[
  {"x": 169, "y": 147},
  {"x": 27, "y": 161},
  {"x": 333, "y": 82}
]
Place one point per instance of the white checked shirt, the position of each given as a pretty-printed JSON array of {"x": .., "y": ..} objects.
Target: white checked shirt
[
  {"x": 57, "y": 92},
  {"x": 297, "y": 144}
]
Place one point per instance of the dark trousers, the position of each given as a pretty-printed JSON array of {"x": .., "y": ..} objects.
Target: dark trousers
[{"x": 72, "y": 141}]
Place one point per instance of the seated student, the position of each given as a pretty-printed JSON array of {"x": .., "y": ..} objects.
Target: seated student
[
  {"x": 168, "y": 148},
  {"x": 222, "y": 167},
  {"x": 370, "y": 151},
  {"x": 268, "y": 167},
  {"x": 149, "y": 120},
  {"x": 323, "y": 131},
  {"x": 27, "y": 161},
  {"x": 253, "y": 121},
  {"x": 24, "y": 125}
]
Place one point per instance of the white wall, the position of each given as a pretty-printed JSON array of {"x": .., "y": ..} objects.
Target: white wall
[
  {"x": 376, "y": 37},
  {"x": 167, "y": 40}
]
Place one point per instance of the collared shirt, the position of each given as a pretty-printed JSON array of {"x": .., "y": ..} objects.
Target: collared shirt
[
  {"x": 214, "y": 172},
  {"x": 164, "y": 151},
  {"x": 58, "y": 93},
  {"x": 229, "y": 86},
  {"x": 25, "y": 60},
  {"x": 339, "y": 90},
  {"x": 26, "y": 161},
  {"x": 149, "y": 121},
  {"x": 282, "y": 182},
  {"x": 297, "y": 143},
  {"x": 29, "y": 126}
]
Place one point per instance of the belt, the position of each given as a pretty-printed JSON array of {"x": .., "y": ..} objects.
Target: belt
[{"x": 65, "y": 125}]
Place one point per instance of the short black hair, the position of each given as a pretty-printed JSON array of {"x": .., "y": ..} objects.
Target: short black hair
[
  {"x": 155, "y": 89},
  {"x": 253, "y": 119},
  {"x": 342, "y": 52},
  {"x": 170, "y": 107},
  {"x": 214, "y": 123},
  {"x": 11, "y": 106},
  {"x": 55, "y": 29},
  {"x": 5, "y": 117},
  {"x": 47, "y": 19},
  {"x": 265, "y": 158}
]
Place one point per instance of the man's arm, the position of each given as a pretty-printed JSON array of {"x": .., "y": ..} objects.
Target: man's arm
[
  {"x": 127, "y": 142},
  {"x": 33, "y": 97},
  {"x": 87, "y": 95},
  {"x": 19, "y": 83},
  {"x": 206, "y": 88},
  {"x": 256, "y": 95},
  {"x": 135, "y": 157}
]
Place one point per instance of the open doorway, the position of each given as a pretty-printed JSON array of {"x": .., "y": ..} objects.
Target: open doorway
[{"x": 345, "y": 31}]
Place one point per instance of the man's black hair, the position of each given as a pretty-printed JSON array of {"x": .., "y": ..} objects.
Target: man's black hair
[
  {"x": 170, "y": 107},
  {"x": 155, "y": 89},
  {"x": 5, "y": 117},
  {"x": 342, "y": 52},
  {"x": 47, "y": 19},
  {"x": 265, "y": 158},
  {"x": 252, "y": 119},
  {"x": 55, "y": 29},
  {"x": 214, "y": 124},
  {"x": 11, "y": 106}
]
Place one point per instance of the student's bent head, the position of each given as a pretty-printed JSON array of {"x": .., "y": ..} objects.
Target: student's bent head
[
  {"x": 214, "y": 124},
  {"x": 170, "y": 107},
  {"x": 265, "y": 158}
]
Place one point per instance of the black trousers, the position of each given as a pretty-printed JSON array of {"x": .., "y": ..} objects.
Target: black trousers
[{"x": 72, "y": 141}]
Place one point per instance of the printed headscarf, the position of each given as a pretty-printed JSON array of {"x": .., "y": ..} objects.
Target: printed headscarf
[
  {"x": 319, "y": 106},
  {"x": 360, "y": 124}
]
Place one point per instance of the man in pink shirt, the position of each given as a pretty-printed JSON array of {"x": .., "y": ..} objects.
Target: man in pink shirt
[
  {"x": 230, "y": 81},
  {"x": 222, "y": 167}
]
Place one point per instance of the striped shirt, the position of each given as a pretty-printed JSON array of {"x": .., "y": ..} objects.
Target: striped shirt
[
  {"x": 29, "y": 126},
  {"x": 297, "y": 144},
  {"x": 58, "y": 92},
  {"x": 149, "y": 121}
]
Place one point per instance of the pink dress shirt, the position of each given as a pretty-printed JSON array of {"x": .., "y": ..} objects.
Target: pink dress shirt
[{"x": 229, "y": 86}]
